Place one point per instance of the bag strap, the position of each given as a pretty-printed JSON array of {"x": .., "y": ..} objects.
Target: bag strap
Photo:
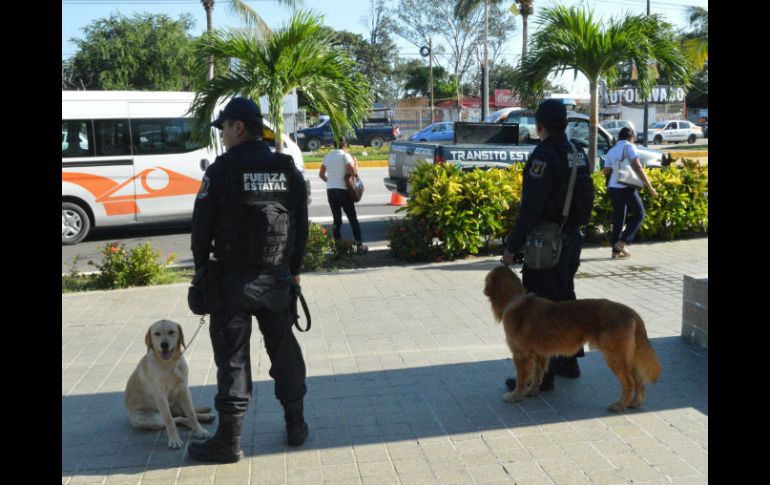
[{"x": 570, "y": 188}]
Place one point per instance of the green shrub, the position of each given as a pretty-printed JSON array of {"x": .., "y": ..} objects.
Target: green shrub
[
  {"x": 453, "y": 213},
  {"x": 139, "y": 267},
  {"x": 681, "y": 208},
  {"x": 464, "y": 210},
  {"x": 320, "y": 248},
  {"x": 344, "y": 250},
  {"x": 411, "y": 240}
]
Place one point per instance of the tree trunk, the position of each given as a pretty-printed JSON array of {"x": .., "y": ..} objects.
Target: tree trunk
[
  {"x": 275, "y": 105},
  {"x": 210, "y": 29},
  {"x": 593, "y": 121},
  {"x": 524, "y": 20}
]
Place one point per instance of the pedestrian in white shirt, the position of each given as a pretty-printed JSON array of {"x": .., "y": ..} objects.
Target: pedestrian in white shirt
[
  {"x": 625, "y": 199},
  {"x": 336, "y": 167}
]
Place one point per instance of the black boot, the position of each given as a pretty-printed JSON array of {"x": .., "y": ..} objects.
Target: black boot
[
  {"x": 566, "y": 366},
  {"x": 224, "y": 446},
  {"x": 296, "y": 427}
]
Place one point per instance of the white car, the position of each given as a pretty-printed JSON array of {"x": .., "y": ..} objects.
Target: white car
[
  {"x": 613, "y": 127},
  {"x": 675, "y": 131}
]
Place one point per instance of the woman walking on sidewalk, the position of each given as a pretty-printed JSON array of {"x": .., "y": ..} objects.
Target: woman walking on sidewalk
[
  {"x": 624, "y": 198},
  {"x": 336, "y": 167}
]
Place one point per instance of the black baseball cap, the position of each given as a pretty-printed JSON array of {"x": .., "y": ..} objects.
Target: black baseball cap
[
  {"x": 551, "y": 112},
  {"x": 242, "y": 109}
]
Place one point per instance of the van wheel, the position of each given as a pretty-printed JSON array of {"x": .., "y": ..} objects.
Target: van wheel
[
  {"x": 691, "y": 139},
  {"x": 376, "y": 142},
  {"x": 657, "y": 140},
  {"x": 313, "y": 144},
  {"x": 75, "y": 223}
]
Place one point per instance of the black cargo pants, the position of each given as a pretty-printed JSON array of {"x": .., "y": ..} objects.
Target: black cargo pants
[
  {"x": 558, "y": 283},
  {"x": 266, "y": 296}
]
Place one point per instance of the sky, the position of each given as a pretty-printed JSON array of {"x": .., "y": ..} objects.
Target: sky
[{"x": 345, "y": 15}]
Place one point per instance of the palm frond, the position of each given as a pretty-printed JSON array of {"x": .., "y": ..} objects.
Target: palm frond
[{"x": 297, "y": 56}]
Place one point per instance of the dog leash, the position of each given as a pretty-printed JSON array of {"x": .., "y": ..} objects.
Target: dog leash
[
  {"x": 202, "y": 322},
  {"x": 297, "y": 295}
]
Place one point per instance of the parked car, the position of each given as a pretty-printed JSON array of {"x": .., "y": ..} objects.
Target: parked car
[
  {"x": 613, "y": 127},
  {"x": 374, "y": 132},
  {"x": 675, "y": 131},
  {"x": 443, "y": 131}
]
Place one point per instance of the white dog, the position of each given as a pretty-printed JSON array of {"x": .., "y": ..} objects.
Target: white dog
[{"x": 157, "y": 394}]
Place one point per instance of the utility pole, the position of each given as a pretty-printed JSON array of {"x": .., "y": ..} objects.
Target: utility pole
[
  {"x": 646, "y": 102},
  {"x": 485, "y": 68},
  {"x": 430, "y": 71}
]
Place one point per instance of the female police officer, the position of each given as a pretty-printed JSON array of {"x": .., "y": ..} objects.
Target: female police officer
[
  {"x": 253, "y": 206},
  {"x": 544, "y": 189}
]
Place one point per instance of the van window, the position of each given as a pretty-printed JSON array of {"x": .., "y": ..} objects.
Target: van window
[
  {"x": 112, "y": 138},
  {"x": 76, "y": 139},
  {"x": 160, "y": 136}
]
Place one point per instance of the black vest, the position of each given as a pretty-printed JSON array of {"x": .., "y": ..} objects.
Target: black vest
[
  {"x": 255, "y": 226},
  {"x": 560, "y": 151}
]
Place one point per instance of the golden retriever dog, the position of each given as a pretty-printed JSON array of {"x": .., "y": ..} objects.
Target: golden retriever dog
[
  {"x": 157, "y": 394},
  {"x": 537, "y": 328}
]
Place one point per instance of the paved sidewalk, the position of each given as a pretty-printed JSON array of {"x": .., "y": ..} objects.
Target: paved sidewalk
[{"x": 405, "y": 383}]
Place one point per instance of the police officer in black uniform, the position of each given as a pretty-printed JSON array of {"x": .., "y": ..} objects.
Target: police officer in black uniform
[
  {"x": 544, "y": 190},
  {"x": 253, "y": 206}
]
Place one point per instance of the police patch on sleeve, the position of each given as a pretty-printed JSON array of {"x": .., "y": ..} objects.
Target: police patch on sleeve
[
  {"x": 204, "y": 190},
  {"x": 537, "y": 169}
]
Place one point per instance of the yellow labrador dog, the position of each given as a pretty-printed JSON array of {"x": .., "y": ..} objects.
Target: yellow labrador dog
[{"x": 157, "y": 394}]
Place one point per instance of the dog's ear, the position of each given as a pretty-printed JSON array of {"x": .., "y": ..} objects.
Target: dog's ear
[
  {"x": 181, "y": 337},
  {"x": 148, "y": 339}
]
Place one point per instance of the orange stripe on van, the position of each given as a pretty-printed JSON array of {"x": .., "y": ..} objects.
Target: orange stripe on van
[
  {"x": 178, "y": 184},
  {"x": 120, "y": 208},
  {"x": 102, "y": 189}
]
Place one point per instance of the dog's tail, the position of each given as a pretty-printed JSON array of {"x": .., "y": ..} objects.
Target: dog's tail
[{"x": 646, "y": 363}]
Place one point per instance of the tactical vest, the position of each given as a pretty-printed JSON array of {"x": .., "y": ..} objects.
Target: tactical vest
[
  {"x": 256, "y": 222},
  {"x": 583, "y": 195}
]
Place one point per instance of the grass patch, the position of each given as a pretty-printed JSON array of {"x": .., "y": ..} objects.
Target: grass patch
[
  {"x": 360, "y": 152},
  {"x": 75, "y": 282},
  {"x": 687, "y": 147}
]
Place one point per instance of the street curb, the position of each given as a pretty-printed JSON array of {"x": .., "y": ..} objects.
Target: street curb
[
  {"x": 362, "y": 163},
  {"x": 687, "y": 153}
]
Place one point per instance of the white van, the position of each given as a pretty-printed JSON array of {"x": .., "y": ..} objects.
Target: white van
[{"x": 127, "y": 158}]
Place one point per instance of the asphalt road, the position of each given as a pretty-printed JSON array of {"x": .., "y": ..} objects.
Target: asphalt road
[{"x": 373, "y": 214}]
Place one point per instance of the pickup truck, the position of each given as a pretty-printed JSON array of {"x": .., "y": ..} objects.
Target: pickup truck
[
  {"x": 374, "y": 132},
  {"x": 488, "y": 145}
]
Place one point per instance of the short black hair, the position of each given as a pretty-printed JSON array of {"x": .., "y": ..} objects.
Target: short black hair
[
  {"x": 253, "y": 130},
  {"x": 551, "y": 114},
  {"x": 626, "y": 133},
  {"x": 341, "y": 143}
]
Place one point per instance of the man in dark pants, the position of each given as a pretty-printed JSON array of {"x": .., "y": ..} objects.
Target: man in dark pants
[
  {"x": 253, "y": 206},
  {"x": 544, "y": 190}
]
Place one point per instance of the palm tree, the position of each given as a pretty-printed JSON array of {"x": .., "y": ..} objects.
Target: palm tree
[
  {"x": 299, "y": 56},
  {"x": 526, "y": 8},
  {"x": 696, "y": 43},
  {"x": 570, "y": 39},
  {"x": 246, "y": 13}
]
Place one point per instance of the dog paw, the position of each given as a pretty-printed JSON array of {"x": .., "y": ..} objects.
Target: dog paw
[
  {"x": 512, "y": 397},
  {"x": 635, "y": 405},
  {"x": 615, "y": 407},
  {"x": 175, "y": 442},
  {"x": 202, "y": 433}
]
